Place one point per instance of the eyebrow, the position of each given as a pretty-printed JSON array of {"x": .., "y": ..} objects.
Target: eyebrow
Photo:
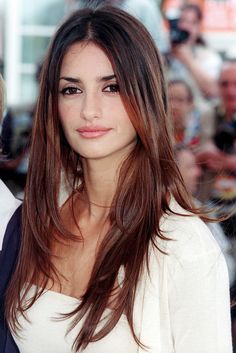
[{"x": 77, "y": 80}]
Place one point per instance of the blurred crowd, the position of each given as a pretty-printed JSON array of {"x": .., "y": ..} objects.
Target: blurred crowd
[{"x": 201, "y": 86}]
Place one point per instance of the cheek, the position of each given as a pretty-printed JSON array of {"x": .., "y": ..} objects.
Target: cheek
[
  {"x": 64, "y": 123},
  {"x": 61, "y": 110},
  {"x": 67, "y": 114},
  {"x": 177, "y": 114},
  {"x": 127, "y": 127},
  {"x": 123, "y": 121}
]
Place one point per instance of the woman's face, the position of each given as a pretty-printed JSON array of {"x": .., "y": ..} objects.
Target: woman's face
[{"x": 93, "y": 116}]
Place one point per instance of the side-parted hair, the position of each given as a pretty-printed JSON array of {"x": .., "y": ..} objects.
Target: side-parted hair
[{"x": 147, "y": 179}]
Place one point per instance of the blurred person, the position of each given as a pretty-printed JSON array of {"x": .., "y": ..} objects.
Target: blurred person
[
  {"x": 219, "y": 155},
  {"x": 190, "y": 58},
  {"x": 219, "y": 162},
  {"x": 191, "y": 172},
  {"x": 189, "y": 168},
  {"x": 16, "y": 129},
  {"x": 15, "y": 139},
  {"x": 112, "y": 254},
  {"x": 181, "y": 106},
  {"x": 149, "y": 13},
  {"x": 8, "y": 203},
  {"x": 192, "y": 126}
]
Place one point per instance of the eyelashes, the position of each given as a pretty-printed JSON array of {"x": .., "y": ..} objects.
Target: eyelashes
[
  {"x": 113, "y": 88},
  {"x": 71, "y": 90}
]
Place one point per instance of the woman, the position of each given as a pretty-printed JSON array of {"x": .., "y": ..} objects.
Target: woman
[{"x": 111, "y": 259}]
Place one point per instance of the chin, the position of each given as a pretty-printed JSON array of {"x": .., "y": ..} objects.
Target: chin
[{"x": 93, "y": 154}]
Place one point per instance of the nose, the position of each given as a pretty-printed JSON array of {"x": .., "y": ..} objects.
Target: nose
[{"x": 90, "y": 107}]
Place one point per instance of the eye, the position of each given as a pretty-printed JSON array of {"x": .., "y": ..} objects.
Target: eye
[
  {"x": 70, "y": 91},
  {"x": 113, "y": 88}
]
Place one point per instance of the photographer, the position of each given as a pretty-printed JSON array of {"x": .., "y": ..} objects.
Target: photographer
[
  {"x": 189, "y": 57},
  {"x": 219, "y": 156}
]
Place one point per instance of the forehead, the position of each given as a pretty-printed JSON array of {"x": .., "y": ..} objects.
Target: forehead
[
  {"x": 189, "y": 16},
  {"x": 85, "y": 57},
  {"x": 179, "y": 88}
]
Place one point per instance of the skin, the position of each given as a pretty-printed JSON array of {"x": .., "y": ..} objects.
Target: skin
[{"x": 89, "y": 99}]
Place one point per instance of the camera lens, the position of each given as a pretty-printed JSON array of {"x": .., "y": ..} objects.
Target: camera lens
[
  {"x": 225, "y": 137},
  {"x": 177, "y": 35}
]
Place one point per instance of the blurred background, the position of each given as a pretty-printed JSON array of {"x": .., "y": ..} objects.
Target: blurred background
[
  {"x": 26, "y": 27},
  {"x": 194, "y": 42},
  {"x": 197, "y": 40}
]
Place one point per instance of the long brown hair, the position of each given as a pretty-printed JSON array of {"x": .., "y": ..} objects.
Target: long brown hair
[{"x": 147, "y": 177}]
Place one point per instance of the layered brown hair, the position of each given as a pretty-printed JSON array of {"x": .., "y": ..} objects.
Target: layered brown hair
[{"x": 147, "y": 179}]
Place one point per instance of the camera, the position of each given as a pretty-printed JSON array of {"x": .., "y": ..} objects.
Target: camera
[
  {"x": 225, "y": 137},
  {"x": 177, "y": 35}
]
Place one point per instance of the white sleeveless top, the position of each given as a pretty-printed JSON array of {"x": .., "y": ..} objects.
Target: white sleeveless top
[
  {"x": 184, "y": 296},
  {"x": 45, "y": 333}
]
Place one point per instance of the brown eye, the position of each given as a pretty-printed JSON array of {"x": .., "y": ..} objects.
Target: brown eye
[
  {"x": 70, "y": 91},
  {"x": 113, "y": 88}
]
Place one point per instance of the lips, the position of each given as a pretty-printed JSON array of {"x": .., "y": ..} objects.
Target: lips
[{"x": 93, "y": 131}]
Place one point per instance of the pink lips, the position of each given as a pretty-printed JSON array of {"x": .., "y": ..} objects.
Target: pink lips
[{"x": 93, "y": 132}]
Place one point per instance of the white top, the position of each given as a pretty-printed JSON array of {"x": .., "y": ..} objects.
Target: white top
[
  {"x": 182, "y": 307},
  {"x": 45, "y": 333}
]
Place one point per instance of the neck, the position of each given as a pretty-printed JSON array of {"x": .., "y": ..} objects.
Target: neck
[{"x": 100, "y": 184}]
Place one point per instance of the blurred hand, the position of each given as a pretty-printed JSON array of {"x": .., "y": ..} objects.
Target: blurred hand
[
  {"x": 183, "y": 52},
  {"x": 216, "y": 160}
]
